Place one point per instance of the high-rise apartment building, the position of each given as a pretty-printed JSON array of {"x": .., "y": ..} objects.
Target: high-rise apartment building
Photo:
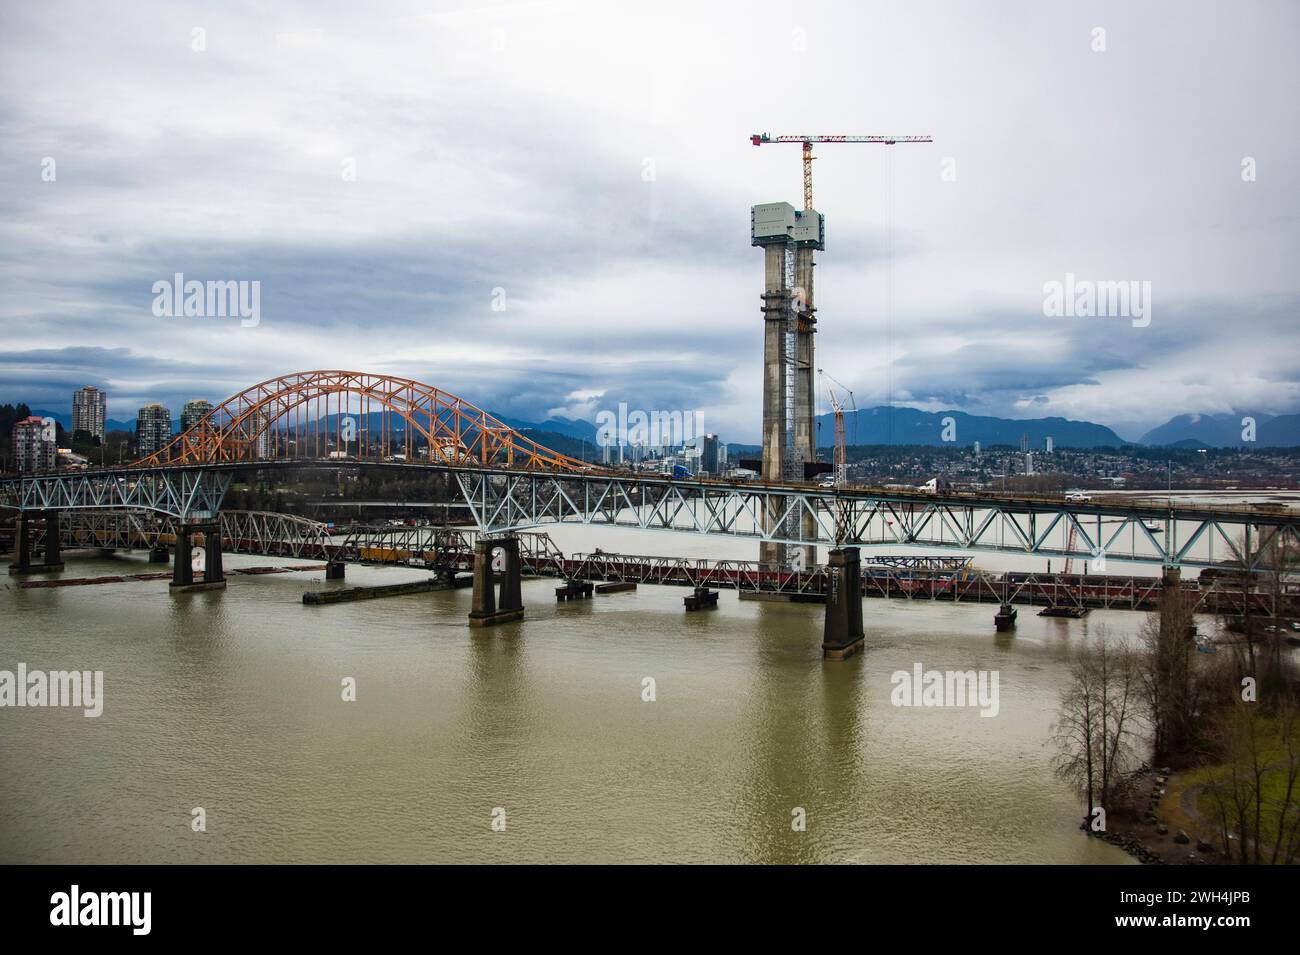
[
  {"x": 89, "y": 405},
  {"x": 709, "y": 454},
  {"x": 194, "y": 412},
  {"x": 153, "y": 428},
  {"x": 264, "y": 435}
]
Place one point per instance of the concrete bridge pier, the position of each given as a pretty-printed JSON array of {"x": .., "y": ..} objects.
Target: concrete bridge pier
[
  {"x": 574, "y": 590},
  {"x": 1171, "y": 585},
  {"x": 1171, "y": 579},
  {"x": 159, "y": 555},
  {"x": 22, "y": 563},
  {"x": 842, "y": 636},
  {"x": 486, "y": 608},
  {"x": 334, "y": 570},
  {"x": 182, "y": 567},
  {"x": 701, "y": 599}
]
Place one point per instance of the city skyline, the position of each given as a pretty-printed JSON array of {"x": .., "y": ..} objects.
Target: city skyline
[{"x": 1223, "y": 430}]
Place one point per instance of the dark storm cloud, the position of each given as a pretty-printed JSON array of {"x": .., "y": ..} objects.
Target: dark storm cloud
[
  {"x": 594, "y": 167},
  {"x": 46, "y": 378}
]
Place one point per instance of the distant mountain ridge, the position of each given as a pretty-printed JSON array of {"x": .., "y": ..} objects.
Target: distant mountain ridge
[
  {"x": 577, "y": 429},
  {"x": 65, "y": 418},
  {"x": 569, "y": 427},
  {"x": 883, "y": 424},
  {"x": 1226, "y": 431},
  {"x": 873, "y": 426}
]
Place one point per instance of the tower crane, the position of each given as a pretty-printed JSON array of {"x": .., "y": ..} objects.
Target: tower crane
[
  {"x": 758, "y": 139},
  {"x": 841, "y": 453}
]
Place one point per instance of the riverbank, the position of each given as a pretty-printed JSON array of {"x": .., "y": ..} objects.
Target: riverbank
[{"x": 1165, "y": 832}]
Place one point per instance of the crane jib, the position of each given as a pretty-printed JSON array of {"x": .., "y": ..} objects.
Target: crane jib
[{"x": 759, "y": 138}]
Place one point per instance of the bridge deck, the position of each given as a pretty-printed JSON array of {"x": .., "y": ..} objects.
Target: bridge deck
[{"x": 452, "y": 548}]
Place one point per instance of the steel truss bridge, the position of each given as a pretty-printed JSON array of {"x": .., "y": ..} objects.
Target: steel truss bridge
[
  {"x": 288, "y": 535},
  {"x": 443, "y": 548},
  {"x": 935, "y": 579},
  {"x": 341, "y": 419}
]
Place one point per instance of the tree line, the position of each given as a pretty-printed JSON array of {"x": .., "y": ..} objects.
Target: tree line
[{"x": 1229, "y": 718}]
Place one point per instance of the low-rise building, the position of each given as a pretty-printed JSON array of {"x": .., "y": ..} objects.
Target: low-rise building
[{"x": 35, "y": 448}]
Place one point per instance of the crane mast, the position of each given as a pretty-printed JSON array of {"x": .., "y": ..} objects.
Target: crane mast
[{"x": 841, "y": 446}]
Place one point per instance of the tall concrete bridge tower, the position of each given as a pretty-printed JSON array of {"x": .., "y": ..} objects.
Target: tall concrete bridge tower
[{"x": 788, "y": 237}]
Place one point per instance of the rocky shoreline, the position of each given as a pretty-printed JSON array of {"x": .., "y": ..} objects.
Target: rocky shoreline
[{"x": 1147, "y": 837}]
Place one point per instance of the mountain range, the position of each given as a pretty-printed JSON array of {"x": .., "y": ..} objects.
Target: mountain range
[
  {"x": 65, "y": 418},
  {"x": 1226, "y": 431},
  {"x": 891, "y": 425}
]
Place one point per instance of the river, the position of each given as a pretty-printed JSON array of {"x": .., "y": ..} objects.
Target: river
[{"x": 232, "y": 702}]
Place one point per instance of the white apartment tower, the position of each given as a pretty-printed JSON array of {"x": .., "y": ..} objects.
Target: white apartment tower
[{"x": 89, "y": 405}]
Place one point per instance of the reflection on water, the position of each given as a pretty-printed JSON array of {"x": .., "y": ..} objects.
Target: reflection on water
[{"x": 232, "y": 701}]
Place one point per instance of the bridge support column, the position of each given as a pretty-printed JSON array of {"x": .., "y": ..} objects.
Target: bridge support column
[
  {"x": 486, "y": 609},
  {"x": 1171, "y": 589},
  {"x": 159, "y": 555},
  {"x": 511, "y": 598},
  {"x": 842, "y": 636},
  {"x": 22, "y": 563},
  {"x": 52, "y": 540},
  {"x": 334, "y": 570},
  {"x": 776, "y": 318},
  {"x": 573, "y": 589},
  {"x": 182, "y": 566},
  {"x": 182, "y": 570},
  {"x": 700, "y": 599},
  {"x": 1171, "y": 579},
  {"x": 213, "y": 572},
  {"x": 24, "y": 560}
]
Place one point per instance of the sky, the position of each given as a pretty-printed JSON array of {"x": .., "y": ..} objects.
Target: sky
[{"x": 544, "y": 207}]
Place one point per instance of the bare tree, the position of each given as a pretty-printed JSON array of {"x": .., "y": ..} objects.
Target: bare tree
[
  {"x": 1118, "y": 682},
  {"x": 1279, "y": 556},
  {"x": 1261, "y": 583},
  {"x": 1258, "y": 743},
  {"x": 1286, "y": 845},
  {"x": 1078, "y": 728},
  {"x": 1169, "y": 676},
  {"x": 1097, "y": 720}
]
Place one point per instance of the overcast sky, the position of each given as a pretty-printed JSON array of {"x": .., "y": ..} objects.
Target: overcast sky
[{"x": 592, "y": 160}]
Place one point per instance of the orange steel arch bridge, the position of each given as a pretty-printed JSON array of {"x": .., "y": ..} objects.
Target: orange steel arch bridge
[
  {"x": 349, "y": 414},
  {"x": 328, "y": 419}
]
